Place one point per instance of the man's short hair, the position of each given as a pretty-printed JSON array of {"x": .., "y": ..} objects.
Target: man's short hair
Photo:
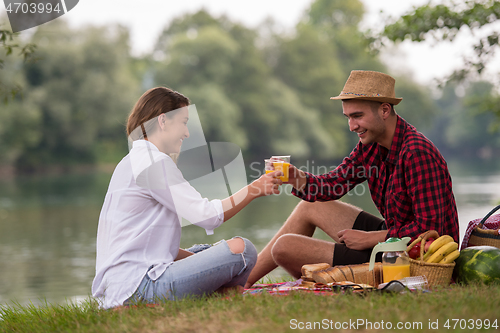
[{"x": 375, "y": 105}]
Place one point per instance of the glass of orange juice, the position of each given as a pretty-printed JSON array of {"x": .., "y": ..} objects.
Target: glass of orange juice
[
  {"x": 268, "y": 165},
  {"x": 281, "y": 163}
]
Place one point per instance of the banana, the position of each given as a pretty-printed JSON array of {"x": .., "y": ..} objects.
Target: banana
[
  {"x": 438, "y": 243},
  {"x": 442, "y": 252},
  {"x": 450, "y": 257}
]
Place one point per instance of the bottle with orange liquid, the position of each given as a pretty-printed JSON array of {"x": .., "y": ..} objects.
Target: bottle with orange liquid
[{"x": 395, "y": 260}]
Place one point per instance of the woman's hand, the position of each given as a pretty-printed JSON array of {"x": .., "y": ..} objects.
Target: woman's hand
[{"x": 267, "y": 184}]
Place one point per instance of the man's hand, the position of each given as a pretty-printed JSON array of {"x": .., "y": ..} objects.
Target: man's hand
[
  {"x": 296, "y": 177},
  {"x": 361, "y": 240}
]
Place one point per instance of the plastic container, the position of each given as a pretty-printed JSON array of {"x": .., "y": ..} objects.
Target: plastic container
[{"x": 395, "y": 260}]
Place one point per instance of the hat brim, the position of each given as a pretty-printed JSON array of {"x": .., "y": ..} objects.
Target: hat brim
[{"x": 393, "y": 101}]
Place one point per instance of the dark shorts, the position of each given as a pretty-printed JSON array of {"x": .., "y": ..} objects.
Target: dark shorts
[{"x": 342, "y": 255}]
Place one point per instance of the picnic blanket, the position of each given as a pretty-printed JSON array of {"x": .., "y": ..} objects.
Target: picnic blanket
[{"x": 285, "y": 288}]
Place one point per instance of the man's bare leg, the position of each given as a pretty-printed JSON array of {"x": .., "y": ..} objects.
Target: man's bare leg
[{"x": 330, "y": 216}]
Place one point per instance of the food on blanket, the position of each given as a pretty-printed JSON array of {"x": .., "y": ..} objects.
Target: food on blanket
[
  {"x": 437, "y": 244},
  {"x": 307, "y": 284},
  {"x": 352, "y": 273},
  {"x": 478, "y": 264},
  {"x": 348, "y": 273},
  {"x": 442, "y": 252},
  {"x": 308, "y": 270},
  {"x": 323, "y": 277},
  {"x": 450, "y": 257}
]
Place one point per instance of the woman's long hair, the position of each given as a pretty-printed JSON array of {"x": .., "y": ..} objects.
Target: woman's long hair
[{"x": 150, "y": 105}]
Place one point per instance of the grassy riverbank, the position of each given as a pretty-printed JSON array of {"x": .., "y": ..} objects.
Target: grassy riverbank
[{"x": 417, "y": 312}]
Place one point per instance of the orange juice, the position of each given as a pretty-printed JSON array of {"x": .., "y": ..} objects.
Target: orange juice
[
  {"x": 281, "y": 166},
  {"x": 395, "y": 272}
]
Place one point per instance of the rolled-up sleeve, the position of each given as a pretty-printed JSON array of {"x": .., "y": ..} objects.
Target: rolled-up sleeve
[{"x": 335, "y": 184}]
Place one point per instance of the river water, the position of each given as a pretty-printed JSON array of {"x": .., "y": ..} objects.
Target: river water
[{"x": 48, "y": 227}]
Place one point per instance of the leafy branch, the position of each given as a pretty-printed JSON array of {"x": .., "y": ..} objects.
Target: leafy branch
[
  {"x": 8, "y": 43},
  {"x": 444, "y": 23}
]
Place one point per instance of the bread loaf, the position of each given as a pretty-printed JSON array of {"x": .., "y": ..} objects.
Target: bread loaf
[
  {"x": 353, "y": 273},
  {"x": 308, "y": 270},
  {"x": 322, "y": 277}
]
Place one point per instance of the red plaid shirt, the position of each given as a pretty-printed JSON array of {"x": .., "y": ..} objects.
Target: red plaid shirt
[{"x": 410, "y": 183}]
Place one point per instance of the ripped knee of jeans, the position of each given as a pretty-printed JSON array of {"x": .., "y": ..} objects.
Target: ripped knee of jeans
[{"x": 236, "y": 245}]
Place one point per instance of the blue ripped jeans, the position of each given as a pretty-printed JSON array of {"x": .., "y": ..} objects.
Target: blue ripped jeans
[{"x": 199, "y": 274}]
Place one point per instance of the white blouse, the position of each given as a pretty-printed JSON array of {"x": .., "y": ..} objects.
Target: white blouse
[{"x": 140, "y": 221}]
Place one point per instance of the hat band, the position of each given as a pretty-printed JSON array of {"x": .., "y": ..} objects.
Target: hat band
[{"x": 360, "y": 95}]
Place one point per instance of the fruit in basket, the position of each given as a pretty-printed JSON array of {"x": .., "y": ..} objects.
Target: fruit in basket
[
  {"x": 450, "y": 257},
  {"x": 428, "y": 244},
  {"x": 414, "y": 252},
  {"x": 437, "y": 244},
  {"x": 442, "y": 252},
  {"x": 478, "y": 264}
]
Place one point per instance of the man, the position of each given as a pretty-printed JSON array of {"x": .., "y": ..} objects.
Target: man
[{"x": 408, "y": 179}]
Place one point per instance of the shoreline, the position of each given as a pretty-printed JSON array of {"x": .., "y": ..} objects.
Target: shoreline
[{"x": 10, "y": 172}]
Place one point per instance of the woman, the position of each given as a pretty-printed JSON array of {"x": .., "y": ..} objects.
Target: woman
[{"x": 138, "y": 238}]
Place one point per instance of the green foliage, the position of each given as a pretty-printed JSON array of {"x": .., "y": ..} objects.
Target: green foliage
[
  {"x": 444, "y": 23},
  {"x": 8, "y": 44},
  {"x": 220, "y": 117},
  {"x": 417, "y": 107},
  {"x": 80, "y": 91},
  {"x": 244, "y": 100},
  {"x": 460, "y": 126},
  {"x": 309, "y": 65},
  {"x": 268, "y": 92}
]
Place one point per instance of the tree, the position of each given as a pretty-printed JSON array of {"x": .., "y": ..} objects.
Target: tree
[
  {"x": 218, "y": 65},
  {"x": 444, "y": 22},
  {"x": 318, "y": 58},
  {"x": 460, "y": 128},
  {"x": 81, "y": 91},
  {"x": 8, "y": 46}
]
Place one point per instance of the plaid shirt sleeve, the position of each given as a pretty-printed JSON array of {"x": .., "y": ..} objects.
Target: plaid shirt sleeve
[
  {"x": 428, "y": 187},
  {"x": 336, "y": 183}
]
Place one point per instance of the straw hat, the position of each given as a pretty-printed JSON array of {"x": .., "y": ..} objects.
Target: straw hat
[{"x": 370, "y": 86}]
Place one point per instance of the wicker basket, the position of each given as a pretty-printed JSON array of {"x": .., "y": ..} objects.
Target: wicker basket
[
  {"x": 436, "y": 274},
  {"x": 480, "y": 236}
]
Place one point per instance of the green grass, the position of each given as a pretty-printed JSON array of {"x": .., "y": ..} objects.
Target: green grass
[{"x": 266, "y": 313}]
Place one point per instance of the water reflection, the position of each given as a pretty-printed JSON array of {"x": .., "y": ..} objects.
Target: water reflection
[{"x": 48, "y": 228}]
